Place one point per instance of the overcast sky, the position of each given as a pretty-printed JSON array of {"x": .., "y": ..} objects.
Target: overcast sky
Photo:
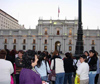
[{"x": 27, "y": 12}]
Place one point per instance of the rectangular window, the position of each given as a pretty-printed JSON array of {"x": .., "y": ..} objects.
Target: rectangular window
[
  {"x": 14, "y": 47},
  {"x": 93, "y": 48},
  {"x": 5, "y": 46},
  {"x": 14, "y": 40},
  {"x": 70, "y": 41},
  {"x": 24, "y": 47},
  {"x": 33, "y": 47},
  {"x": 58, "y": 32},
  {"x": 70, "y": 48},
  {"x": 45, "y": 47},
  {"x": 93, "y": 43},
  {"x": 46, "y": 32},
  {"x": 24, "y": 41},
  {"x": 33, "y": 41},
  {"x": 5, "y": 41},
  {"x": 45, "y": 41},
  {"x": 70, "y": 32}
]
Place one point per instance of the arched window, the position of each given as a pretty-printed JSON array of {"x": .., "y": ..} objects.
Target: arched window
[
  {"x": 58, "y": 33},
  {"x": 14, "y": 40},
  {"x": 70, "y": 32},
  {"x": 24, "y": 41},
  {"x": 34, "y": 41},
  {"x": 46, "y": 32}
]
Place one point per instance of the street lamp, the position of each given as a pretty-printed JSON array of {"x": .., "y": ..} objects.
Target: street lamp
[
  {"x": 59, "y": 46},
  {"x": 79, "y": 42}
]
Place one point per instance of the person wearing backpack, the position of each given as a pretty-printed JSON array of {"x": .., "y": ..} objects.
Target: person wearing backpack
[{"x": 59, "y": 68}]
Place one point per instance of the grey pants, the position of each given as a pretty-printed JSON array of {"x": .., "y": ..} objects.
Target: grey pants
[{"x": 84, "y": 81}]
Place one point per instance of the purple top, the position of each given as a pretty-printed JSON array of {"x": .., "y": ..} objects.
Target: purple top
[{"x": 27, "y": 76}]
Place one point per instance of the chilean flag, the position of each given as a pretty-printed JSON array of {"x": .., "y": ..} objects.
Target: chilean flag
[{"x": 58, "y": 11}]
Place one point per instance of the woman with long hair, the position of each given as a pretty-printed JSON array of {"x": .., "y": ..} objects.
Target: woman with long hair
[
  {"x": 92, "y": 61},
  {"x": 43, "y": 67}
]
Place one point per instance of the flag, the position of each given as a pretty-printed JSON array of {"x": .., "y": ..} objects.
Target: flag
[{"x": 58, "y": 11}]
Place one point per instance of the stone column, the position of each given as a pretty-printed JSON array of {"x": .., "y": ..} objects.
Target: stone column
[
  {"x": 63, "y": 30},
  {"x": 53, "y": 45},
  {"x": 50, "y": 30}
]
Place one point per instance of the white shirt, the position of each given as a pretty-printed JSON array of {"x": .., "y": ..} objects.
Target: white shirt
[
  {"x": 59, "y": 66},
  {"x": 42, "y": 69},
  {"x": 6, "y": 69},
  {"x": 78, "y": 63},
  {"x": 83, "y": 71}
]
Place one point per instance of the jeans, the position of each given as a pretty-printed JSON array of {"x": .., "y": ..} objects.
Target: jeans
[
  {"x": 92, "y": 75},
  {"x": 17, "y": 78},
  {"x": 68, "y": 77},
  {"x": 59, "y": 78},
  {"x": 45, "y": 78},
  {"x": 96, "y": 78}
]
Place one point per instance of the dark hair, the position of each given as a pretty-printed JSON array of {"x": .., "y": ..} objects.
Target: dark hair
[
  {"x": 21, "y": 51},
  {"x": 83, "y": 56},
  {"x": 86, "y": 52},
  {"x": 41, "y": 58},
  {"x": 68, "y": 55},
  {"x": 93, "y": 51},
  {"x": 13, "y": 52},
  {"x": 3, "y": 53},
  {"x": 28, "y": 58}
]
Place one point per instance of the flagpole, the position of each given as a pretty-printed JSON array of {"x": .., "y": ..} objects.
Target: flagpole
[{"x": 58, "y": 11}]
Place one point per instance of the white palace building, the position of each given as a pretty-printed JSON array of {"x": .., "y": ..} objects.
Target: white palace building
[{"x": 49, "y": 35}]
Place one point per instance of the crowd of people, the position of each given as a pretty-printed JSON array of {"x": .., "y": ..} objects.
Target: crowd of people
[{"x": 30, "y": 67}]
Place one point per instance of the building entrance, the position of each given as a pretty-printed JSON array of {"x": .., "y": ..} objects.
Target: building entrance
[{"x": 57, "y": 45}]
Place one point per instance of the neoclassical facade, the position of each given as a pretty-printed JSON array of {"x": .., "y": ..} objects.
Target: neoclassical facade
[{"x": 49, "y": 35}]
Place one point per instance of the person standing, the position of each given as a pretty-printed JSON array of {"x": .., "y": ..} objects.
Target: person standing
[
  {"x": 92, "y": 61},
  {"x": 43, "y": 67},
  {"x": 83, "y": 70},
  {"x": 59, "y": 67},
  {"x": 6, "y": 68},
  {"x": 87, "y": 54},
  {"x": 68, "y": 67},
  {"x": 97, "y": 75},
  {"x": 19, "y": 65},
  {"x": 28, "y": 74}
]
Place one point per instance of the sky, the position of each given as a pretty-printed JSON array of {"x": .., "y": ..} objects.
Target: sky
[{"x": 28, "y": 12}]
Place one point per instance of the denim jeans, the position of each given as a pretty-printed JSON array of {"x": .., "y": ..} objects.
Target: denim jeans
[
  {"x": 92, "y": 75},
  {"x": 68, "y": 77},
  {"x": 17, "y": 78},
  {"x": 59, "y": 78},
  {"x": 45, "y": 78}
]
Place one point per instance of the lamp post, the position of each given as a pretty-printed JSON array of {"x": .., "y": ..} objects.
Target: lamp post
[
  {"x": 79, "y": 42},
  {"x": 59, "y": 46}
]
